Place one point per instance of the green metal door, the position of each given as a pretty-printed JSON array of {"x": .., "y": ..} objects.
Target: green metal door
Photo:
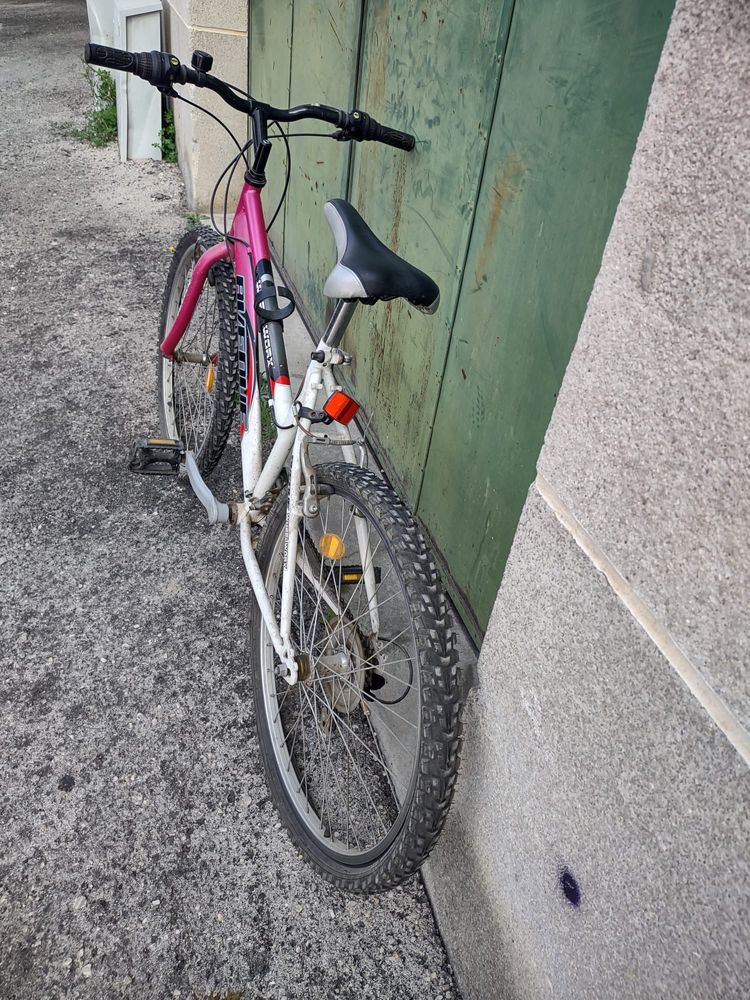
[
  {"x": 432, "y": 70},
  {"x": 270, "y": 53},
  {"x": 526, "y": 114},
  {"x": 324, "y": 56},
  {"x": 303, "y": 51},
  {"x": 570, "y": 106}
]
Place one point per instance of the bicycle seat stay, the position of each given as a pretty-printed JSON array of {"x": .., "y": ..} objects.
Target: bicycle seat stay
[{"x": 367, "y": 270}]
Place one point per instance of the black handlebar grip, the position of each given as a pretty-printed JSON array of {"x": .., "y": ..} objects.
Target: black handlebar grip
[
  {"x": 162, "y": 69},
  {"x": 392, "y": 137},
  {"x": 361, "y": 126},
  {"x": 103, "y": 55}
]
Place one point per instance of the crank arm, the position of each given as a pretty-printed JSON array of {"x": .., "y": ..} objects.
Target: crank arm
[{"x": 218, "y": 513}]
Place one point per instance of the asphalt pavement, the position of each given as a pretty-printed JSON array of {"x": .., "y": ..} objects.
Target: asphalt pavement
[{"x": 140, "y": 854}]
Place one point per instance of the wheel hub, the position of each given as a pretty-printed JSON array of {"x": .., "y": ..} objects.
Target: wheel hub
[{"x": 339, "y": 667}]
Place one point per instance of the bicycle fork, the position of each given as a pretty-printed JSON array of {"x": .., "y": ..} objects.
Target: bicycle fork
[
  {"x": 304, "y": 502},
  {"x": 303, "y": 497}
]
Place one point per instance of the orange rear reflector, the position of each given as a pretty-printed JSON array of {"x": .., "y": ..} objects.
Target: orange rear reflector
[
  {"x": 332, "y": 546},
  {"x": 341, "y": 407}
]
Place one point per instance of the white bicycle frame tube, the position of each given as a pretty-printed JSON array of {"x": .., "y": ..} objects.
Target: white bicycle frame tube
[
  {"x": 363, "y": 535},
  {"x": 258, "y": 479}
]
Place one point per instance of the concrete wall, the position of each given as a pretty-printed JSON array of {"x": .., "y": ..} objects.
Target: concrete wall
[
  {"x": 203, "y": 147},
  {"x": 607, "y": 746}
]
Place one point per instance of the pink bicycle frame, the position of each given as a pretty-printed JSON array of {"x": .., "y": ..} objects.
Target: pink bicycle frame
[{"x": 249, "y": 251}]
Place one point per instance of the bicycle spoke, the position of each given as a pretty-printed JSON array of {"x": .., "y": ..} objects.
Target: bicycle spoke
[
  {"x": 360, "y": 582},
  {"x": 378, "y": 760},
  {"x": 353, "y": 621},
  {"x": 335, "y": 720},
  {"x": 192, "y": 404},
  {"x": 333, "y": 564},
  {"x": 343, "y": 680},
  {"x": 326, "y": 766}
]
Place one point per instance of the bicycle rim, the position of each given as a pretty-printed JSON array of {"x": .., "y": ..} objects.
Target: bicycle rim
[{"x": 347, "y": 739}]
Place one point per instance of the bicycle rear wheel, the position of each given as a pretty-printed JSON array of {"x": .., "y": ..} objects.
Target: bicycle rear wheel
[
  {"x": 198, "y": 389},
  {"x": 361, "y": 754}
]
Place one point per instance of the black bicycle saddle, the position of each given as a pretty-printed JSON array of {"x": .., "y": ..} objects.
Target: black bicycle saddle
[{"x": 367, "y": 269}]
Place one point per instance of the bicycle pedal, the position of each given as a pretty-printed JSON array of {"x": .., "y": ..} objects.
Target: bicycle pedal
[{"x": 156, "y": 456}]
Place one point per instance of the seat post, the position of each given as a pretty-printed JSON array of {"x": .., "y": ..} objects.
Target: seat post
[{"x": 342, "y": 314}]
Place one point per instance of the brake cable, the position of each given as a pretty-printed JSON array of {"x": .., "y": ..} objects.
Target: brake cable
[{"x": 198, "y": 107}]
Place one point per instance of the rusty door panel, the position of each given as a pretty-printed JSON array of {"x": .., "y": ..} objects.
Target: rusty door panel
[
  {"x": 571, "y": 103},
  {"x": 430, "y": 69},
  {"x": 325, "y": 41},
  {"x": 270, "y": 57}
]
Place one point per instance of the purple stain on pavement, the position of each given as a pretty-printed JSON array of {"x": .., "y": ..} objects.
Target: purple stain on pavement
[{"x": 571, "y": 889}]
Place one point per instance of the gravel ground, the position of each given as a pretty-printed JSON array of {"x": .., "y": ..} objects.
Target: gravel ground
[{"x": 140, "y": 855}]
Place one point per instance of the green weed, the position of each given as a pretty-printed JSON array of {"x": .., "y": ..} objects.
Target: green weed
[
  {"x": 267, "y": 426},
  {"x": 101, "y": 122},
  {"x": 267, "y": 429},
  {"x": 167, "y": 139}
]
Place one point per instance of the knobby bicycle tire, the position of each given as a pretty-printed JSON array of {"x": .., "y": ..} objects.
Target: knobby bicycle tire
[
  {"x": 422, "y": 803},
  {"x": 189, "y": 408}
]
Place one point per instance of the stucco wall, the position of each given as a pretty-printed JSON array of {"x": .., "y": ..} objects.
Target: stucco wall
[
  {"x": 607, "y": 747},
  {"x": 203, "y": 147}
]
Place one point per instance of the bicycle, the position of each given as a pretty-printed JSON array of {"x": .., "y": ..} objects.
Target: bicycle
[{"x": 354, "y": 667}]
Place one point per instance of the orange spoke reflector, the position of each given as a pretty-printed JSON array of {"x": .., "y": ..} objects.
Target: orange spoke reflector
[
  {"x": 332, "y": 547},
  {"x": 210, "y": 379},
  {"x": 341, "y": 407}
]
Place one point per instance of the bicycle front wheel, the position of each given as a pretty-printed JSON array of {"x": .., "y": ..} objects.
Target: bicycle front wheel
[
  {"x": 361, "y": 754},
  {"x": 198, "y": 389}
]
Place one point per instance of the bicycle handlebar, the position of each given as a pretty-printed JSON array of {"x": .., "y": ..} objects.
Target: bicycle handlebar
[{"x": 162, "y": 70}]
